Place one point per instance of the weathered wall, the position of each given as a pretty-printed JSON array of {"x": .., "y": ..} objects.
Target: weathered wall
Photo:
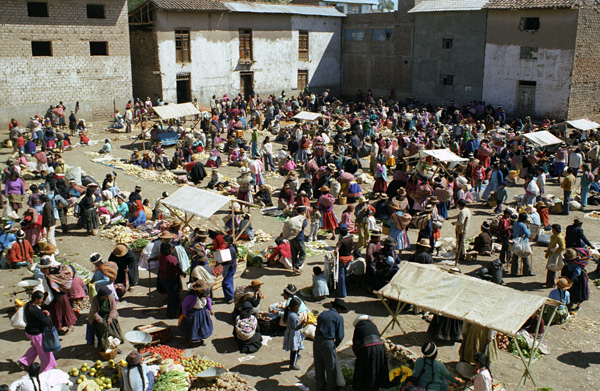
[
  {"x": 584, "y": 101},
  {"x": 551, "y": 70},
  {"x": 379, "y": 66},
  {"x": 214, "y": 68},
  {"x": 146, "y": 78},
  {"x": 464, "y": 61},
  {"x": 29, "y": 85}
]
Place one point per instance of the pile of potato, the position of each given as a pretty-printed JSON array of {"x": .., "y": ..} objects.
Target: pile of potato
[
  {"x": 227, "y": 382},
  {"x": 399, "y": 353}
]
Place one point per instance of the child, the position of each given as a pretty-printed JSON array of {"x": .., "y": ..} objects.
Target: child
[
  {"x": 315, "y": 222},
  {"x": 320, "y": 290},
  {"x": 293, "y": 337},
  {"x": 78, "y": 294},
  {"x": 501, "y": 196},
  {"x": 478, "y": 177}
]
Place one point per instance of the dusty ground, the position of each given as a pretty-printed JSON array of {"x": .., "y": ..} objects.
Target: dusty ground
[{"x": 573, "y": 362}]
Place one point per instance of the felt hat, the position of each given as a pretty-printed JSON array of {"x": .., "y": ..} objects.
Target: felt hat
[
  {"x": 96, "y": 258},
  {"x": 433, "y": 200},
  {"x": 199, "y": 286},
  {"x": 485, "y": 225},
  {"x": 50, "y": 249},
  {"x": 255, "y": 283},
  {"x": 424, "y": 243},
  {"x": 134, "y": 358},
  {"x": 246, "y": 305},
  {"x": 540, "y": 204},
  {"x": 290, "y": 289},
  {"x": 120, "y": 250},
  {"x": 339, "y": 304},
  {"x": 401, "y": 192},
  {"x": 376, "y": 234},
  {"x": 324, "y": 188},
  {"x": 138, "y": 188},
  {"x": 428, "y": 209},
  {"x": 577, "y": 221},
  {"x": 60, "y": 161},
  {"x": 429, "y": 349},
  {"x": 166, "y": 235},
  {"x": 361, "y": 318},
  {"x": 47, "y": 262},
  {"x": 7, "y": 227},
  {"x": 301, "y": 208},
  {"x": 202, "y": 233},
  {"x": 362, "y": 199},
  {"x": 570, "y": 254},
  {"x": 244, "y": 170},
  {"x": 20, "y": 234},
  {"x": 390, "y": 241},
  {"x": 563, "y": 283},
  {"x": 302, "y": 193}
]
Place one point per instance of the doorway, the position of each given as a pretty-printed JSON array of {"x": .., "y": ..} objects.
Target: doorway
[
  {"x": 302, "y": 79},
  {"x": 184, "y": 88},
  {"x": 246, "y": 84},
  {"x": 526, "y": 98}
]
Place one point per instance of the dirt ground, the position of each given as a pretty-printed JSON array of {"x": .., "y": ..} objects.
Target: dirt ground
[{"x": 572, "y": 364}]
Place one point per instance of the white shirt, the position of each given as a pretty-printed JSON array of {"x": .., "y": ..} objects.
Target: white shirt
[
  {"x": 575, "y": 160},
  {"x": 464, "y": 217},
  {"x": 267, "y": 149},
  {"x": 541, "y": 181},
  {"x": 374, "y": 149},
  {"x": 51, "y": 380},
  {"x": 482, "y": 381}
]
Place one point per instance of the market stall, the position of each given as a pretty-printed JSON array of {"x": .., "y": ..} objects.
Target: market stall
[
  {"x": 583, "y": 124},
  {"x": 539, "y": 139},
  {"x": 178, "y": 111},
  {"x": 464, "y": 298},
  {"x": 307, "y": 116},
  {"x": 444, "y": 158}
]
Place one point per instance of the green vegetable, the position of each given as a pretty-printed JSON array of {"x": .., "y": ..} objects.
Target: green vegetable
[
  {"x": 545, "y": 389},
  {"x": 597, "y": 282},
  {"x": 242, "y": 252},
  {"x": 348, "y": 374},
  {"x": 139, "y": 243},
  {"x": 524, "y": 347},
  {"x": 172, "y": 381}
]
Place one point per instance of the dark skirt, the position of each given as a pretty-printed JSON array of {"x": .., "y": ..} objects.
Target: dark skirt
[
  {"x": 197, "y": 325},
  {"x": 251, "y": 345},
  {"x": 61, "y": 312},
  {"x": 446, "y": 329},
  {"x": 580, "y": 290},
  {"x": 380, "y": 186},
  {"x": 371, "y": 369},
  {"x": 89, "y": 219}
]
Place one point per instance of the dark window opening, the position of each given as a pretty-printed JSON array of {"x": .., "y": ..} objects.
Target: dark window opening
[
  {"x": 182, "y": 46},
  {"x": 446, "y": 80},
  {"x": 527, "y": 83},
  {"x": 37, "y": 10},
  {"x": 447, "y": 43},
  {"x": 529, "y": 24},
  {"x": 41, "y": 48},
  {"x": 529, "y": 53},
  {"x": 98, "y": 48},
  {"x": 95, "y": 11}
]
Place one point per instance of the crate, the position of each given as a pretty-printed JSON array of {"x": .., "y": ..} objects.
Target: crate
[{"x": 160, "y": 332}]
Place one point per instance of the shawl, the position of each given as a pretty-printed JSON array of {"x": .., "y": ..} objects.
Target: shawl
[
  {"x": 583, "y": 257},
  {"x": 109, "y": 269},
  {"x": 62, "y": 279},
  {"x": 400, "y": 220},
  {"x": 326, "y": 202}
]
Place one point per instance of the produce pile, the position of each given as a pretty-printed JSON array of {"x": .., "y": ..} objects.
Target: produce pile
[
  {"x": 348, "y": 374},
  {"x": 172, "y": 381},
  {"x": 503, "y": 341},
  {"x": 226, "y": 382},
  {"x": 165, "y": 177},
  {"x": 195, "y": 365},
  {"x": 105, "y": 377},
  {"x": 165, "y": 352},
  {"x": 512, "y": 348},
  {"x": 122, "y": 234},
  {"x": 399, "y": 353},
  {"x": 139, "y": 244}
]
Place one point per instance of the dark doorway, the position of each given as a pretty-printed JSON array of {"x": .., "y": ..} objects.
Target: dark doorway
[
  {"x": 184, "y": 88},
  {"x": 246, "y": 84}
]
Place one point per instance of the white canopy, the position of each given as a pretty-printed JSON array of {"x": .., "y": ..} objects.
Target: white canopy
[
  {"x": 461, "y": 297},
  {"x": 198, "y": 202},
  {"x": 443, "y": 155},
  {"x": 542, "y": 138},
  {"x": 583, "y": 124},
  {"x": 175, "y": 110},
  {"x": 307, "y": 116}
]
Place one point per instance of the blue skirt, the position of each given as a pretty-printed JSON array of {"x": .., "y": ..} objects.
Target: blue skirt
[
  {"x": 400, "y": 237},
  {"x": 197, "y": 325}
]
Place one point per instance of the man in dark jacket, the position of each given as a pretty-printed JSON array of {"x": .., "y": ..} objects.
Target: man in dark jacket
[
  {"x": 574, "y": 236},
  {"x": 49, "y": 219}
]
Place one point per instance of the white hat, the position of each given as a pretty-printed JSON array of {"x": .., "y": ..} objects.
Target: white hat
[{"x": 361, "y": 318}]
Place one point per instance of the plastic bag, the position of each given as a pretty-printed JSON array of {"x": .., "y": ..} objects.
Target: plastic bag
[
  {"x": 73, "y": 173},
  {"x": 18, "y": 319},
  {"x": 341, "y": 382},
  {"x": 50, "y": 340},
  {"x": 544, "y": 238},
  {"x": 520, "y": 247}
]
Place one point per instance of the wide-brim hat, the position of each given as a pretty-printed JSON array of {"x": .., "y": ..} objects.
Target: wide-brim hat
[
  {"x": 290, "y": 289},
  {"x": 50, "y": 249},
  {"x": 362, "y": 199},
  {"x": 20, "y": 234},
  {"x": 424, "y": 243},
  {"x": 395, "y": 206},
  {"x": 47, "y": 262},
  {"x": 166, "y": 235},
  {"x": 401, "y": 192},
  {"x": 60, "y": 161},
  {"x": 570, "y": 254},
  {"x": 202, "y": 233},
  {"x": 376, "y": 233},
  {"x": 256, "y": 283},
  {"x": 7, "y": 227},
  {"x": 199, "y": 285},
  {"x": 292, "y": 174},
  {"x": 120, "y": 250},
  {"x": 577, "y": 220},
  {"x": 540, "y": 204},
  {"x": 429, "y": 349},
  {"x": 331, "y": 166},
  {"x": 390, "y": 242},
  {"x": 384, "y": 197},
  {"x": 564, "y": 283},
  {"x": 339, "y": 304},
  {"x": 428, "y": 209},
  {"x": 324, "y": 188},
  {"x": 485, "y": 225}
]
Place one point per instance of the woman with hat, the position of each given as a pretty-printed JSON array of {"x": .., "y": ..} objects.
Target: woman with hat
[
  {"x": 104, "y": 318},
  {"x": 520, "y": 230},
  {"x": 422, "y": 254},
  {"x": 380, "y": 185},
  {"x": 286, "y": 198},
  {"x": 344, "y": 250},
  {"x": 431, "y": 374},
  {"x": 32, "y": 225},
  {"x": 138, "y": 217},
  {"x": 543, "y": 213},
  {"x": 292, "y": 180},
  {"x": 424, "y": 221},
  {"x": 58, "y": 280},
  {"x": 288, "y": 293},
  {"x": 325, "y": 205},
  {"x": 554, "y": 253},
  {"x": 105, "y": 273},
  {"x": 169, "y": 278},
  {"x": 87, "y": 210},
  {"x": 245, "y": 183},
  {"x": 562, "y": 295},
  {"x": 127, "y": 264},
  {"x": 371, "y": 367},
  {"x": 587, "y": 178},
  {"x": 576, "y": 259},
  {"x": 136, "y": 376},
  {"x": 347, "y": 219},
  {"x": 21, "y": 252},
  {"x": 401, "y": 200},
  {"x": 245, "y": 330},
  {"x": 398, "y": 222},
  {"x": 263, "y": 196},
  {"x": 195, "y": 322},
  {"x": 381, "y": 208},
  {"x": 482, "y": 245}
]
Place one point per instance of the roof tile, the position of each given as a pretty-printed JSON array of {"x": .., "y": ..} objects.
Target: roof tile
[
  {"x": 531, "y": 4},
  {"x": 189, "y": 5}
]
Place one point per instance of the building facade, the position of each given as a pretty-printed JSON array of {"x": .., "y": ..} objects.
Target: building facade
[
  {"x": 348, "y": 7},
  {"x": 232, "y": 47},
  {"x": 449, "y": 50},
  {"x": 377, "y": 52},
  {"x": 74, "y": 51}
]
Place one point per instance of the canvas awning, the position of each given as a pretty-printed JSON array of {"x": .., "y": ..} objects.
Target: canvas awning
[
  {"x": 442, "y": 155},
  {"x": 307, "y": 116},
  {"x": 542, "y": 138},
  {"x": 583, "y": 124},
  {"x": 195, "y": 201},
  {"x": 175, "y": 110}
]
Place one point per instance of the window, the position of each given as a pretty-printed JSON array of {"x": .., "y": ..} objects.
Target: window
[
  {"x": 303, "y": 45},
  {"x": 527, "y": 83},
  {"x": 447, "y": 43},
  {"x": 354, "y": 9},
  {"x": 37, "y": 10},
  {"x": 446, "y": 80},
  {"x": 246, "y": 45},
  {"x": 529, "y": 24},
  {"x": 382, "y": 35},
  {"x": 182, "y": 46},
  {"x": 98, "y": 48},
  {"x": 354, "y": 35},
  {"x": 302, "y": 79},
  {"x": 529, "y": 53},
  {"x": 41, "y": 48},
  {"x": 95, "y": 11}
]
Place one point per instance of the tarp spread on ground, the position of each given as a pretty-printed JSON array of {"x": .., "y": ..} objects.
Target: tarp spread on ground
[
  {"x": 307, "y": 116},
  {"x": 175, "y": 110},
  {"x": 442, "y": 155},
  {"x": 542, "y": 138},
  {"x": 584, "y": 124},
  {"x": 461, "y": 297},
  {"x": 195, "y": 201}
]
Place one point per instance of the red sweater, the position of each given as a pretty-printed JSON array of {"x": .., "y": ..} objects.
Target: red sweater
[{"x": 20, "y": 252}]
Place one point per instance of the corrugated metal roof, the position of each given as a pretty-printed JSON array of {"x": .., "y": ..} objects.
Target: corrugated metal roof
[
  {"x": 532, "y": 4},
  {"x": 448, "y": 5},
  {"x": 366, "y": 2},
  {"x": 296, "y": 9},
  {"x": 189, "y": 5}
]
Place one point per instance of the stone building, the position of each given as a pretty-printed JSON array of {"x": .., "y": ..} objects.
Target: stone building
[
  {"x": 541, "y": 57},
  {"x": 189, "y": 49},
  {"x": 449, "y": 49},
  {"x": 377, "y": 52},
  {"x": 74, "y": 51},
  {"x": 349, "y": 7}
]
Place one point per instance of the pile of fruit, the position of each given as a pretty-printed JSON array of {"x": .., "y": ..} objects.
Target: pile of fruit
[
  {"x": 195, "y": 365},
  {"x": 105, "y": 377},
  {"x": 172, "y": 381},
  {"x": 226, "y": 382},
  {"x": 165, "y": 352},
  {"x": 503, "y": 341},
  {"x": 217, "y": 270}
]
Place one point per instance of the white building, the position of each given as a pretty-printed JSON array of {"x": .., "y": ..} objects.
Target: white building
[
  {"x": 185, "y": 49},
  {"x": 349, "y": 7}
]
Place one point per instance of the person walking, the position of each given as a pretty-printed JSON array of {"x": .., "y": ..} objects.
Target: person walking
[
  {"x": 297, "y": 245},
  {"x": 362, "y": 213},
  {"x": 521, "y": 230},
  {"x": 36, "y": 321},
  {"x": 343, "y": 249},
  {"x": 461, "y": 228},
  {"x": 169, "y": 277},
  {"x": 229, "y": 269},
  {"x": 371, "y": 367},
  {"x": 267, "y": 152},
  {"x": 329, "y": 334}
]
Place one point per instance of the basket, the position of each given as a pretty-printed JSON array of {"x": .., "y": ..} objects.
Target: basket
[
  {"x": 342, "y": 200},
  {"x": 110, "y": 355}
]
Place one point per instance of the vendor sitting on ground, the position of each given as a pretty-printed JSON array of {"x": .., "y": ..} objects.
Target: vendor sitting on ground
[
  {"x": 281, "y": 253},
  {"x": 246, "y": 228},
  {"x": 422, "y": 254},
  {"x": 263, "y": 196},
  {"x": 135, "y": 158},
  {"x": 562, "y": 295},
  {"x": 251, "y": 294},
  {"x": 245, "y": 330},
  {"x": 482, "y": 245},
  {"x": 288, "y": 292}
]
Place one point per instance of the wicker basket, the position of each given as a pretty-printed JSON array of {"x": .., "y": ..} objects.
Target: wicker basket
[
  {"x": 110, "y": 355},
  {"x": 342, "y": 200}
]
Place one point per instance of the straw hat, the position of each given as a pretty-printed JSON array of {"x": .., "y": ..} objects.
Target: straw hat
[
  {"x": 292, "y": 175},
  {"x": 401, "y": 192},
  {"x": 570, "y": 254},
  {"x": 362, "y": 199},
  {"x": 324, "y": 188},
  {"x": 50, "y": 249},
  {"x": 563, "y": 283},
  {"x": 256, "y": 283},
  {"x": 428, "y": 209},
  {"x": 424, "y": 243},
  {"x": 120, "y": 250},
  {"x": 540, "y": 204},
  {"x": 331, "y": 166},
  {"x": 395, "y": 205},
  {"x": 166, "y": 235},
  {"x": 375, "y": 234},
  {"x": 384, "y": 197},
  {"x": 202, "y": 233}
]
